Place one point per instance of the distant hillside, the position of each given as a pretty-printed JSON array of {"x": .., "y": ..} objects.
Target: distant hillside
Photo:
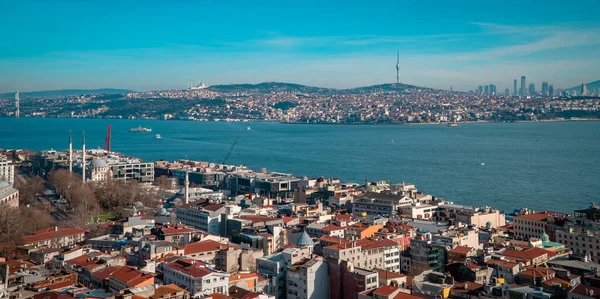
[
  {"x": 267, "y": 87},
  {"x": 388, "y": 87},
  {"x": 590, "y": 86},
  {"x": 65, "y": 93}
]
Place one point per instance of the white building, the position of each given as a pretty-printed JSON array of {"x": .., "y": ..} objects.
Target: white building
[
  {"x": 7, "y": 170},
  {"x": 8, "y": 195},
  {"x": 205, "y": 216},
  {"x": 274, "y": 268},
  {"x": 197, "y": 277},
  {"x": 308, "y": 280}
]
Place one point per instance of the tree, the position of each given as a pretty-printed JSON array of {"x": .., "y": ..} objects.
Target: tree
[
  {"x": 62, "y": 180},
  {"x": 30, "y": 189},
  {"x": 163, "y": 183},
  {"x": 11, "y": 230},
  {"x": 83, "y": 203}
]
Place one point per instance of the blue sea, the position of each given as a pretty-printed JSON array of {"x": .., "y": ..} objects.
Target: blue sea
[{"x": 542, "y": 166}]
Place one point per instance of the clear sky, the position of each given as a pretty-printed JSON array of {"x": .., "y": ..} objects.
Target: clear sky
[{"x": 149, "y": 45}]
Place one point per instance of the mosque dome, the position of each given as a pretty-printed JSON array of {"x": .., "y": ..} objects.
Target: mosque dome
[
  {"x": 304, "y": 240},
  {"x": 98, "y": 163}
]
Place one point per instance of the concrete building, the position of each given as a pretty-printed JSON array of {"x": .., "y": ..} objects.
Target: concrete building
[
  {"x": 7, "y": 170},
  {"x": 470, "y": 215},
  {"x": 54, "y": 237},
  {"x": 129, "y": 277},
  {"x": 199, "y": 278},
  {"x": 307, "y": 280},
  {"x": 274, "y": 268},
  {"x": 373, "y": 203},
  {"x": 204, "y": 215},
  {"x": 9, "y": 196},
  {"x": 531, "y": 225}
]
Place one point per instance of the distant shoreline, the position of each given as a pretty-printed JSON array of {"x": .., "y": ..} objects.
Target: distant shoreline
[{"x": 446, "y": 123}]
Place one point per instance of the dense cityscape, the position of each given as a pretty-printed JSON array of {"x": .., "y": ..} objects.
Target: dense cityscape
[
  {"x": 112, "y": 226},
  {"x": 291, "y": 103}
]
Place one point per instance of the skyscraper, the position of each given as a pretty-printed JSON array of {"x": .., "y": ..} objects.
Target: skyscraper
[
  {"x": 551, "y": 90},
  {"x": 523, "y": 90},
  {"x": 531, "y": 89},
  {"x": 583, "y": 89},
  {"x": 487, "y": 89},
  {"x": 493, "y": 89},
  {"x": 507, "y": 92},
  {"x": 398, "y": 67},
  {"x": 480, "y": 89},
  {"x": 544, "y": 88},
  {"x": 17, "y": 105},
  {"x": 515, "y": 91}
]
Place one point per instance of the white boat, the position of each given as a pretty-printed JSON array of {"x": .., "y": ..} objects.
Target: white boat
[
  {"x": 248, "y": 128},
  {"x": 157, "y": 136}
]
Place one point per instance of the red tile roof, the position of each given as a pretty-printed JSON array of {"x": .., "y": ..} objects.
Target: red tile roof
[
  {"x": 331, "y": 227},
  {"x": 106, "y": 272},
  {"x": 462, "y": 249},
  {"x": 190, "y": 267},
  {"x": 177, "y": 229},
  {"x": 130, "y": 276},
  {"x": 537, "y": 216},
  {"x": 167, "y": 291},
  {"x": 203, "y": 246},
  {"x": 385, "y": 290},
  {"x": 51, "y": 233},
  {"x": 213, "y": 207},
  {"x": 583, "y": 290}
]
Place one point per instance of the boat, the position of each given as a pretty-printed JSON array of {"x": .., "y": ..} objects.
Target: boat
[
  {"x": 248, "y": 128},
  {"x": 454, "y": 124},
  {"x": 482, "y": 164},
  {"x": 140, "y": 129},
  {"x": 157, "y": 136},
  {"x": 202, "y": 85}
]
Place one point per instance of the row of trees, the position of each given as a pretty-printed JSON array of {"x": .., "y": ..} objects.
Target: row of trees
[{"x": 111, "y": 196}]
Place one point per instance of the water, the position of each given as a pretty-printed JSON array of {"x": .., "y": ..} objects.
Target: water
[{"x": 543, "y": 166}]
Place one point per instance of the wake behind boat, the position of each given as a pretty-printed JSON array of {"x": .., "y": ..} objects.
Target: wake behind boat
[{"x": 140, "y": 129}]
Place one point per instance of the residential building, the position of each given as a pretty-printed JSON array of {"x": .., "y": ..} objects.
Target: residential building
[
  {"x": 531, "y": 225},
  {"x": 196, "y": 277},
  {"x": 204, "y": 215},
  {"x": 7, "y": 170},
  {"x": 274, "y": 268},
  {"x": 470, "y": 215},
  {"x": 129, "y": 277},
  {"x": 54, "y": 237},
  {"x": 307, "y": 280}
]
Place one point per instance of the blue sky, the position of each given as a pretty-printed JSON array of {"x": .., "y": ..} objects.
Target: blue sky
[{"x": 149, "y": 45}]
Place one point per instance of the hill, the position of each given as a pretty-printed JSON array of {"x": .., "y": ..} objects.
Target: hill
[
  {"x": 388, "y": 87},
  {"x": 65, "y": 93},
  {"x": 267, "y": 87},
  {"x": 590, "y": 87}
]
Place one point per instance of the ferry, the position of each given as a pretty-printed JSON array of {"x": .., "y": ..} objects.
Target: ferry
[
  {"x": 140, "y": 129},
  {"x": 454, "y": 124},
  {"x": 157, "y": 136}
]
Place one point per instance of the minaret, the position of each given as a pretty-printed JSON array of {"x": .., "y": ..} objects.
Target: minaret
[
  {"x": 186, "y": 198},
  {"x": 398, "y": 67},
  {"x": 70, "y": 151},
  {"x": 83, "y": 159}
]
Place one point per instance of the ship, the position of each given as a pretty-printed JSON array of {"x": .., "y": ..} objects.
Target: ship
[
  {"x": 140, "y": 129},
  {"x": 157, "y": 136},
  {"x": 453, "y": 124}
]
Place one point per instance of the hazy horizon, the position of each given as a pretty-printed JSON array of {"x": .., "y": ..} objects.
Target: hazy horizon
[{"x": 156, "y": 46}]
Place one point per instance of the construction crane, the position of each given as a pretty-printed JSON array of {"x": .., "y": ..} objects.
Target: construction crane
[{"x": 229, "y": 152}]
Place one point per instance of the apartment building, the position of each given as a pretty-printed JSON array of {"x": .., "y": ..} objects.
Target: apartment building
[
  {"x": 307, "y": 280},
  {"x": 7, "y": 170},
  {"x": 199, "y": 278},
  {"x": 54, "y": 237}
]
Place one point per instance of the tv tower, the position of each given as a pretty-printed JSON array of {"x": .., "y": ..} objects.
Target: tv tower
[
  {"x": 17, "y": 106},
  {"x": 398, "y": 67}
]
